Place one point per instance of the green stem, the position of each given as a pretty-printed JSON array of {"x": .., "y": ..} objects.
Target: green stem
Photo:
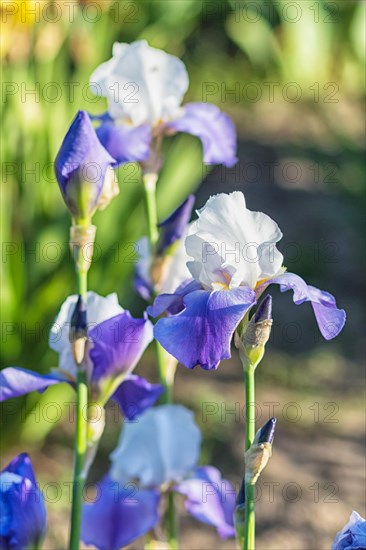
[
  {"x": 172, "y": 523},
  {"x": 249, "y": 522},
  {"x": 80, "y": 442},
  {"x": 149, "y": 180}
]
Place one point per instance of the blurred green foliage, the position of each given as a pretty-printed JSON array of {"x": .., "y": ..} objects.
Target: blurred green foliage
[{"x": 45, "y": 80}]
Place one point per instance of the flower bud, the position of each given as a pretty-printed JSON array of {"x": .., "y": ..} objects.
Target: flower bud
[
  {"x": 255, "y": 334},
  {"x": 257, "y": 456},
  {"x": 83, "y": 170},
  {"x": 78, "y": 331}
]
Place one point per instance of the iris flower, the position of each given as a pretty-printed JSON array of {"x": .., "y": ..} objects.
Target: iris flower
[
  {"x": 166, "y": 269},
  {"x": 23, "y": 510},
  {"x": 353, "y": 535},
  {"x": 160, "y": 454},
  {"x": 234, "y": 259},
  {"x": 116, "y": 341},
  {"x": 145, "y": 87}
]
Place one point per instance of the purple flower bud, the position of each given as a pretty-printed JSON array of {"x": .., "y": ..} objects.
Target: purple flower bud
[
  {"x": 265, "y": 434},
  {"x": 84, "y": 170},
  {"x": 264, "y": 310},
  {"x": 173, "y": 228},
  {"x": 23, "y": 511}
]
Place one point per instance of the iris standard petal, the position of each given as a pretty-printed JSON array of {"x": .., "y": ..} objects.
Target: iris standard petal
[
  {"x": 330, "y": 319},
  {"x": 117, "y": 345},
  {"x": 23, "y": 511},
  {"x": 210, "y": 499},
  {"x": 15, "y": 381},
  {"x": 119, "y": 515},
  {"x": 201, "y": 334},
  {"x": 81, "y": 167},
  {"x": 135, "y": 395},
  {"x": 125, "y": 143},
  {"x": 163, "y": 446},
  {"x": 214, "y": 128}
]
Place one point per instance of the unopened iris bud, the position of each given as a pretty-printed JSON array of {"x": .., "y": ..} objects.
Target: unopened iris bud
[
  {"x": 84, "y": 171},
  {"x": 257, "y": 456},
  {"x": 255, "y": 334},
  {"x": 78, "y": 331}
]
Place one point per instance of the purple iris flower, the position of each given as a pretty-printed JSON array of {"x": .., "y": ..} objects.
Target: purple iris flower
[
  {"x": 160, "y": 453},
  {"x": 353, "y": 535},
  {"x": 145, "y": 87},
  {"x": 116, "y": 343},
  {"x": 84, "y": 170},
  {"x": 23, "y": 510},
  {"x": 166, "y": 269},
  {"x": 233, "y": 260}
]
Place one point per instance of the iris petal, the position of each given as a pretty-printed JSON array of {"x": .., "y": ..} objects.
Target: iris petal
[
  {"x": 330, "y": 319},
  {"x": 201, "y": 334}
]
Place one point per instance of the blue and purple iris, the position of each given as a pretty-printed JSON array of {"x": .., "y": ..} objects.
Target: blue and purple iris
[
  {"x": 116, "y": 343},
  {"x": 353, "y": 535},
  {"x": 145, "y": 87},
  {"x": 84, "y": 170},
  {"x": 23, "y": 511},
  {"x": 233, "y": 260},
  {"x": 160, "y": 454}
]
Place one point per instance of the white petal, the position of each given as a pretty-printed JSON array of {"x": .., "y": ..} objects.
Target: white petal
[
  {"x": 99, "y": 308},
  {"x": 144, "y": 84},
  {"x": 177, "y": 271},
  {"x": 233, "y": 244},
  {"x": 163, "y": 445}
]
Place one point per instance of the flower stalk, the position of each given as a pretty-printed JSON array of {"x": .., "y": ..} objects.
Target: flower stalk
[
  {"x": 167, "y": 380},
  {"x": 81, "y": 439}
]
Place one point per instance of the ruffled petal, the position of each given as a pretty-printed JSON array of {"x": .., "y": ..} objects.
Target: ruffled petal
[
  {"x": 162, "y": 446},
  {"x": 214, "y": 128},
  {"x": 124, "y": 142},
  {"x": 135, "y": 395},
  {"x": 119, "y": 515},
  {"x": 353, "y": 535},
  {"x": 201, "y": 334},
  {"x": 15, "y": 381},
  {"x": 210, "y": 499},
  {"x": 143, "y": 84},
  {"x": 23, "y": 511},
  {"x": 118, "y": 344},
  {"x": 330, "y": 319}
]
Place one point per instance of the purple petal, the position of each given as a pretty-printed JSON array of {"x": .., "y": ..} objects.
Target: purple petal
[
  {"x": 135, "y": 395},
  {"x": 201, "y": 333},
  {"x": 210, "y": 499},
  {"x": 215, "y": 129},
  {"x": 15, "y": 381},
  {"x": 173, "y": 303},
  {"x": 173, "y": 228},
  {"x": 125, "y": 143},
  {"x": 23, "y": 511},
  {"x": 119, "y": 515},
  {"x": 81, "y": 165},
  {"x": 118, "y": 344},
  {"x": 330, "y": 319}
]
